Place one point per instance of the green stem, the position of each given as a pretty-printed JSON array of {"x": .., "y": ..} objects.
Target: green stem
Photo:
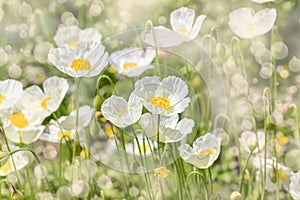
[
  {"x": 203, "y": 180},
  {"x": 243, "y": 173}
]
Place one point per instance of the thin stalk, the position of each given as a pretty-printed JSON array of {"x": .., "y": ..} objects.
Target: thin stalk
[
  {"x": 244, "y": 170},
  {"x": 210, "y": 180},
  {"x": 203, "y": 180},
  {"x": 8, "y": 148}
]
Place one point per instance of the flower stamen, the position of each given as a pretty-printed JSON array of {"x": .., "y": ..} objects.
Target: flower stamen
[{"x": 80, "y": 64}]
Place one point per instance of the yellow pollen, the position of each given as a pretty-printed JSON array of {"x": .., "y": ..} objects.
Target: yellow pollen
[
  {"x": 160, "y": 102},
  {"x": 84, "y": 153},
  {"x": 2, "y": 98},
  {"x": 65, "y": 134},
  {"x": 18, "y": 120},
  {"x": 73, "y": 44},
  {"x": 249, "y": 26},
  {"x": 6, "y": 167},
  {"x": 80, "y": 64},
  {"x": 206, "y": 152},
  {"x": 129, "y": 65},
  {"x": 282, "y": 175},
  {"x": 144, "y": 148},
  {"x": 45, "y": 102},
  {"x": 183, "y": 31}
]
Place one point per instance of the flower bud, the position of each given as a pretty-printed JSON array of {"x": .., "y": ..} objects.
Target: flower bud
[
  {"x": 235, "y": 196},
  {"x": 252, "y": 143},
  {"x": 98, "y": 100},
  {"x": 17, "y": 195}
]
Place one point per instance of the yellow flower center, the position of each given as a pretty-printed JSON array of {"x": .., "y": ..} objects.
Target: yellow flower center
[
  {"x": 121, "y": 114},
  {"x": 282, "y": 175},
  {"x": 144, "y": 148},
  {"x": 129, "y": 65},
  {"x": 162, "y": 172},
  {"x": 112, "y": 70},
  {"x": 80, "y": 64},
  {"x": 282, "y": 139},
  {"x": 183, "y": 31},
  {"x": 160, "y": 102},
  {"x": 205, "y": 152},
  {"x": 84, "y": 153},
  {"x": 249, "y": 26},
  {"x": 18, "y": 120},
  {"x": 5, "y": 168},
  {"x": 65, "y": 134},
  {"x": 73, "y": 44},
  {"x": 45, "y": 102},
  {"x": 2, "y": 98}
]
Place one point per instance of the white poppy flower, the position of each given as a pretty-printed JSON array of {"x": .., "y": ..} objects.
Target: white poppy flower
[
  {"x": 294, "y": 188},
  {"x": 132, "y": 62},
  {"x": 247, "y": 24},
  {"x": 166, "y": 97},
  {"x": 120, "y": 112},
  {"x": 262, "y": 1},
  {"x": 183, "y": 30},
  {"x": 10, "y": 92},
  {"x": 22, "y": 126},
  {"x": 44, "y": 102},
  {"x": 170, "y": 130},
  {"x": 65, "y": 126},
  {"x": 70, "y": 36},
  {"x": 284, "y": 173},
  {"x": 204, "y": 153},
  {"x": 87, "y": 59},
  {"x": 247, "y": 136},
  {"x": 20, "y": 160},
  {"x": 143, "y": 145}
]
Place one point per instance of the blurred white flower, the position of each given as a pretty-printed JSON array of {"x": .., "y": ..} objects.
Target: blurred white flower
[
  {"x": 20, "y": 161},
  {"x": 141, "y": 145},
  {"x": 294, "y": 188},
  {"x": 87, "y": 59},
  {"x": 170, "y": 130},
  {"x": 182, "y": 21},
  {"x": 283, "y": 171},
  {"x": 45, "y": 102},
  {"x": 262, "y": 1},
  {"x": 204, "y": 153},
  {"x": 166, "y": 97},
  {"x": 247, "y": 24},
  {"x": 70, "y": 36},
  {"x": 132, "y": 62},
  {"x": 120, "y": 112},
  {"x": 10, "y": 92},
  {"x": 246, "y": 138},
  {"x": 64, "y": 127}
]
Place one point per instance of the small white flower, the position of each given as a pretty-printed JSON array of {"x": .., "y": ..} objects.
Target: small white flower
[
  {"x": 170, "y": 130},
  {"x": 284, "y": 173},
  {"x": 247, "y": 24},
  {"x": 294, "y": 188},
  {"x": 166, "y": 97},
  {"x": 183, "y": 30},
  {"x": 120, "y": 112},
  {"x": 45, "y": 102},
  {"x": 70, "y": 36},
  {"x": 141, "y": 145},
  {"x": 248, "y": 135},
  {"x": 20, "y": 160},
  {"x": 87, "y": 59},
  {"x": 10, "y": 92},
  {"x": 64, "y": 127},
  {"x": 262, "y": 1},
  {"x": 204, "y": 153},
  {"x": 132, "y": 62}
]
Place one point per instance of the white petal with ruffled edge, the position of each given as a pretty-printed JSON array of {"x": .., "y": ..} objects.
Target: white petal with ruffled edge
[{"x": 10, "y": 92}]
